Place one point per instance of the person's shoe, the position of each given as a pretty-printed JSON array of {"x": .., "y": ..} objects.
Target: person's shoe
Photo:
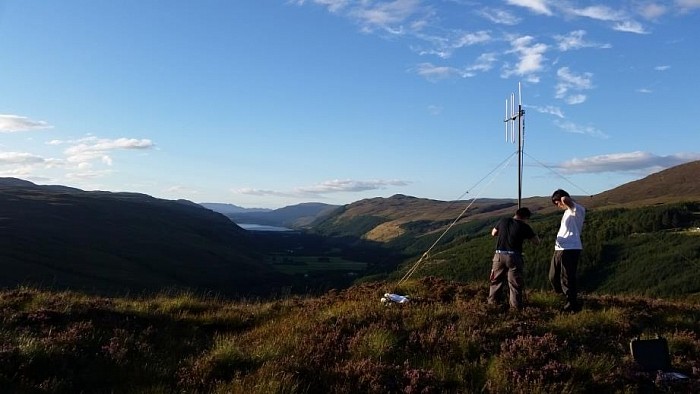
[{"x": 572, "y": 308}]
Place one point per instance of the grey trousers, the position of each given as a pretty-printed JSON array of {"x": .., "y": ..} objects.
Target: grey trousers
[{"x": 507, "y": 268}]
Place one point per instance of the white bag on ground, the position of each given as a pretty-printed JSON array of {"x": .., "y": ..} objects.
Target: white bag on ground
[{"x": 390, "y": 297}]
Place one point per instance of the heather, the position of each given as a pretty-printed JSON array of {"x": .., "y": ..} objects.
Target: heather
[{"x": 446, "y": 339}]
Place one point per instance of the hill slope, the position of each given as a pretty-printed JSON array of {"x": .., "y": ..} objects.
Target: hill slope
[
  {"x": 120, "y": 242},
  {"x": 679, "y": 183},
  {"x": 386, "y": 219},
  {"x": 446, "y": 340}
]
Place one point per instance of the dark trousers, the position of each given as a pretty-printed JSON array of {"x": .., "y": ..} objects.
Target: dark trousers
[
  {"x": 562, "y": 273},
  {"x": 507, "y": 267}
]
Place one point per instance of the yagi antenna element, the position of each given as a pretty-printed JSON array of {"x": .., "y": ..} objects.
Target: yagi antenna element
[{"x": 511, "y": 118}]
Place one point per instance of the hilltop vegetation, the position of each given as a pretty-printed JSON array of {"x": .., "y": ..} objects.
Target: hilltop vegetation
[
  {"x": 653, "y": 251},
  {"x": 446, "y": 340}
]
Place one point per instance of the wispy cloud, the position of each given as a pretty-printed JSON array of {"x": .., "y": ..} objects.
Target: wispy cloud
[
  {"x": 331, "y": 5},
  {"x": 662, "y": 68},
  {"x": 432, "y": 72},
  {"x": 630, "y": 27},
  {"x": 572, "y": 127},
  {"x": 326, "y": 187},
  {"x": 444, "y": 46},
  {"x": 530, "y": 58},
  {"x": 24, "y": 164},
  {"x": 90, "y": 149},
  {"x": 625, "y": 162},
  {"x": 392, "y": 17},
  {"x": 549, "y": 109},
  {"x": 15, "y": 123},
  {"x": 499, "y": 16},
  {"x": 21, "y": 158},
  {"x": 568, "y": 81},
  {"x": 396, "y": 17},
  {"x": 536, "y": 6},
  {"x": 575, "y": 40},
  {"x": 599, "y": 12}
]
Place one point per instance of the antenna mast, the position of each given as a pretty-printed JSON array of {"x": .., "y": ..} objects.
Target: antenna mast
[{"x": 510, "y": 118}]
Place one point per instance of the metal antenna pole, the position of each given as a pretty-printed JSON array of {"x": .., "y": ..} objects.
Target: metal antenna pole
[{"x": 510, "y": 120}]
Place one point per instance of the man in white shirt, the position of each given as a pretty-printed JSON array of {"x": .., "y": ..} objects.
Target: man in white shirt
[{"x": 567, "y": 249}]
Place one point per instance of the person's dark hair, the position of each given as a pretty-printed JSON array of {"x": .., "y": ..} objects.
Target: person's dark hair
[
  {"x": 523, "y": 213},
  {"x": 558, "y": 194}
]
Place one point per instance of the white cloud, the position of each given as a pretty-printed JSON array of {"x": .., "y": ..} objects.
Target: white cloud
[
  {"x": 536, "y": 6},
  {"x": 549, "y": 109},
  {"x": 85, "y": 175},
  {"x": 388, "y": 16},
  {"x": 14, "y": 123},
  {"x": 86, "y": 153},
  {"x": 14, "y": 158},
  {"x": 622, "y": 20},
  {"x": 568, "y": 81},
  {"x": 572, "y": 127},
  {"x": 434, "y": 73},
  {"x": 599, "y": 12},
  {"x": 644, "y": 90},
  {"x": 575, "y": 40},
  {"x": 396, "y": 17},
  {"x": 622, "y": 162},
  {"x": 630, "y": 27},
  {"x": 348, "y": 185},
  {"x": 332, "y": 5},
  {"x": 484, "y": 62},
  {"x": 444, "y": 46},
  {"x": 468, "y": 39},
  {"x": 501, "y": 17},
  {"x": 326, "y": 187},
  {"x": 530, "y": 58},
  {"x": 22, "y": 164},
  {"x": 662, "y": 68}
]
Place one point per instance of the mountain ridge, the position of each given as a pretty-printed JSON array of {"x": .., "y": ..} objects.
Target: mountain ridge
[{"x": 121, "y": 242}]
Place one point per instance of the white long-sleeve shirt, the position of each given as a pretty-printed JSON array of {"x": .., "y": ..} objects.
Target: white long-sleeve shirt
[{"x": 569, "y": 235}]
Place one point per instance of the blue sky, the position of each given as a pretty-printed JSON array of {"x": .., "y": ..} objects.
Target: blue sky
[{"x": 269, "y": 103}]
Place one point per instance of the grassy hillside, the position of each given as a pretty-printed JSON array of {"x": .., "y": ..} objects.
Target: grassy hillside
[
  {"x": 446, "y": 340},
  {"x": 114, "y": 243},
  {"x": 652, "y": 251}
]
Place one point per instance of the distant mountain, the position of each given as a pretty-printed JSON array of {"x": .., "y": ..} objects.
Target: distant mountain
[
  {"x": 15, "y": 182},
  {"x": 293, "y": 216},
  {"x": 399, "y": 216},
  {"x": 121, "y": 242},
  {"x": 228, "y": 209},
  {"x": 679, "y": 183}
]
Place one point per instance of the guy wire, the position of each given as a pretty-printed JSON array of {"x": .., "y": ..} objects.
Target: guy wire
[{"x": 425, "y": 255}]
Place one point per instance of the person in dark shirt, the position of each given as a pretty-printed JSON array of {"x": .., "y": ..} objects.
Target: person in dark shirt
[{"x": 508, "y": 260}]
